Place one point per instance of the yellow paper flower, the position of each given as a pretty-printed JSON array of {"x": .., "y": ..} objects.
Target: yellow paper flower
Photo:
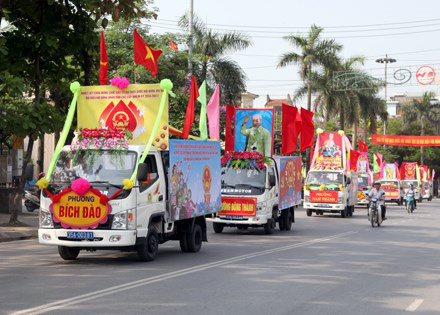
[
  {"x": 307, "y": 187},
  {"x": 319, "y": 131},
  {"x": 341, "y": 188},
  {"x": 341, "y": 133},
  {"x": 42, "y": 183},
  {"x": 128, "y": 184},
  {"x": 322, "y": 187}
]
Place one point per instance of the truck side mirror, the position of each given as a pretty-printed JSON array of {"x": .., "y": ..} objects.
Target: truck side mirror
[
  {"x": 29, "y": 172},
  {"x": 143, "y": 171},
  {"x": 272, "y": 180}
]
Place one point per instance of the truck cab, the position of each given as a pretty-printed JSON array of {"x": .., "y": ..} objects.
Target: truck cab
[
  {"x": 416, "y": 184},
  {"x": 138, "y": 219},
  {"x": 363, "y": 188},
  {"x": 250, "y": 198},
  {"x": 393, "y": 191},
  {"x": 330, "y": 191}
]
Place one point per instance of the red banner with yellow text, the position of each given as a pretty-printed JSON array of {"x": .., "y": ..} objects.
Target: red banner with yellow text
[
  {"x": 415, "y": 141},
  {"x": 324, "y": 196},
  {"x": 239, "y": 206}
]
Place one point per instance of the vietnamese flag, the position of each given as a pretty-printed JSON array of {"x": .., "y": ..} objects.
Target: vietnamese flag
[
  {"x": 189, "y": 118},
  {"x": 103, "y": 61},
  {"x": 354, "y": 156},
  {"x": 362, "y": 146},
  {"x": 289, "y": 129},
  {"x": 144, "y": 55},
  {"x": 307, "y": 129},
  {"x": 230, "y": 126}
]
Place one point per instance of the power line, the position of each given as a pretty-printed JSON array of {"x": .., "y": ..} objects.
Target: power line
[{"x": 308, "y": 27}]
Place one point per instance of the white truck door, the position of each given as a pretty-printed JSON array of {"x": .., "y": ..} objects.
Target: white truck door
[
  {"x": 150, "y": 196},
  {"x": 273, "y": 191}
]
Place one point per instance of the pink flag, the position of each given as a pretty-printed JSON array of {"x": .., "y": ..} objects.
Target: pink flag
[{"x": 213, "y": 112}]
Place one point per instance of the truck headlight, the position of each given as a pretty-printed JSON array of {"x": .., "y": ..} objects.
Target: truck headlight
[
  {"x": 124, "y": 220},
  {"x": 45, "y": 219}
]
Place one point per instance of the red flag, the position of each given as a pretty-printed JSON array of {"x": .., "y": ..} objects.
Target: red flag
[
  {"x": 354, "y": 156},
  {"x": 289, "y": 129},
  {"x": 144, "y": 55},
  {"x": 173, "y": 45},
  {"x": 362, "y": 146},
  {"x": 307, "y": 129},
  {"x": 103, "y": 61},
  {"x": 189, "y": 118},
  {"x": 230, "y": 127}
]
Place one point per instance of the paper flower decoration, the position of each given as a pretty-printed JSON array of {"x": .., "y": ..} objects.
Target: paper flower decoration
[
  {"x": 341, "y": 133},
  {"x": 319, "y": 131},
  {"x": 80, "y": 186},
  {"x": 42, "y": 183},
  {"x": 128, "y": 184},
  {"x": 121, "y": 83},
  {"x": 322, "y": 187}
]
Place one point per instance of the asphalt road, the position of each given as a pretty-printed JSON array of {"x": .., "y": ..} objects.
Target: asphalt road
[{"x": 325, "y": 265}]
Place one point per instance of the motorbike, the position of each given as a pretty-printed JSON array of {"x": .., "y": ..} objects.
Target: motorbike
[
  {"x": 32, "y": 199},
  {"x": 410, "y": 204},
  {"x": 375, "y": 213}
]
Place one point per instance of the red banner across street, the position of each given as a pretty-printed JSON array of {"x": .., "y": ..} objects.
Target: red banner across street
[{"x": 415, "y": 141}]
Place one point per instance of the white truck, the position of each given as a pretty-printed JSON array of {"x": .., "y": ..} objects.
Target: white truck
[
  {"x": 138, "y": 219},
  {"x": 330, "y": 191},
  {"x": 260, "y": 198}
]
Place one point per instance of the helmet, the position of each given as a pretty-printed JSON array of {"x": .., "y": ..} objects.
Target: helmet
[{"x": 377, "y": 183}]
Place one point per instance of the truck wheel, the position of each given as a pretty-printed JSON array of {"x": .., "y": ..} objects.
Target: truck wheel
[
  {"x": 147, "y": 251},
  {"x": 344, "y": 213},
  {"x": 309, "y": 212},
  {"x": 281, "y": 223},
  {"x": 194, "y": 239},
  {"x": 288, "y": 221},
  {"x": 68, "y": 253},
  {"x": 218, "y": 227},
  {"x": 183, "y": 243},
  {"x": 268, "y": 227}
]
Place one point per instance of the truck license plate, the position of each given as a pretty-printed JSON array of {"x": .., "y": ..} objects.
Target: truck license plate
[
  {"x": 323, "y": 205},
  {"x": 233, "y": 217},
  {"x": 76, "y": 235}
]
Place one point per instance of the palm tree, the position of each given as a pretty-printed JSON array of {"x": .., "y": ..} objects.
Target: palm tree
[
  {"x": 424, "y": 111},
  {"x": 211, "y": 46},
  {"x": 314, "y": 51}
]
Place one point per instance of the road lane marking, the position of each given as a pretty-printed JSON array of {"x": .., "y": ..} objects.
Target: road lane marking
[
  {"x": 138, "y": 283},
  {"x": 414, "y": 305}
]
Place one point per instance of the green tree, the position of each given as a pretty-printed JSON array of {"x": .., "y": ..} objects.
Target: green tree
[
  {"x": 425, "y": 112},
  {"x": 313, "y": 51},
  {"x": 211, "y": 47}
]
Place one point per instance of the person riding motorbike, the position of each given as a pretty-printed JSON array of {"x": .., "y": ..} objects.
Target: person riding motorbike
[
  {"x": 379, "y": 194},
  {"x": 411, "y": 193}
]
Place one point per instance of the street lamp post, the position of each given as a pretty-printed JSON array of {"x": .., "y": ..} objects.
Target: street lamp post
[{"x": 385, "y": 61}]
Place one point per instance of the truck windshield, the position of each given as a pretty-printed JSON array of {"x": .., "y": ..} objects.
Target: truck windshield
[
  {"x": 409, "y": 182},
  {"x": 390, "y": 185},
  {"x": 331, "y": 180},
  {"x": 363, "y": 181},
  {"x": 95, "y": 166},
  {"x": 243, "y": 182}
]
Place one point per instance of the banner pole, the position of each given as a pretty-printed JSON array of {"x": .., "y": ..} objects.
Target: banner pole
[{"x": 134, "y": 72}]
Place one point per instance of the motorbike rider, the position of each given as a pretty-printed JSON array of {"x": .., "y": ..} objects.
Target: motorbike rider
[
  {"x": 379, "y": 194},
  {"x": 412, "y": 193}
]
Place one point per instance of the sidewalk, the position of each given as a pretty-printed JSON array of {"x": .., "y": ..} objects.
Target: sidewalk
[{"x": 26, "y": 230}]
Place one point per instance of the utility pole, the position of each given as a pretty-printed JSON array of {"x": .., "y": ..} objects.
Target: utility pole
[
  {"x": 190, "y": 36},
  {"x": 386, "y": 61}
]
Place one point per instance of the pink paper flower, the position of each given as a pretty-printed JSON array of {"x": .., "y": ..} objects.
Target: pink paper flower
[{"x": 80, "y": 186}]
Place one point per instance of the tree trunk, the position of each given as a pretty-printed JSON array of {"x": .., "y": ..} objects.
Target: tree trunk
[
  {"x": 87, "y": 67},
  {"x": 205, "y": 69},
  {"x": 342, "y": 118},
  {"x": 41, "y": 154},
  {"x": 309, "y": 89},
  {"x": 422, "y": 149},
  {"x": 355, "y": 127},
  {"x": 366, "y": 131}
]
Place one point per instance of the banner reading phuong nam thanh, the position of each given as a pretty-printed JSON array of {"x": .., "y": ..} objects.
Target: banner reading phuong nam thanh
[{"x": 134, "y": 108}]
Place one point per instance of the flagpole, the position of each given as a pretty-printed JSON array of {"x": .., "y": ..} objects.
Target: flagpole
[
  {"x": 134, "y": 72},
  {"x": 190, "y": 30}
]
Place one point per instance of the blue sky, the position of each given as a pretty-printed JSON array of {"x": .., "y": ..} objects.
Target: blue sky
[{"x": 268, "y": 21}]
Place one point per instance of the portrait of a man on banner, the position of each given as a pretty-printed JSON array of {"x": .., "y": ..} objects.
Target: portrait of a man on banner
[{"x": 254, "y": 130}]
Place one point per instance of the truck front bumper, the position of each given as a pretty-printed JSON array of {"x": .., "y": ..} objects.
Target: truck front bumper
[
  {"x": 256, "y": 220},
  {"x": 324, "y": 207},
  {"x": 102, "y": 238}
]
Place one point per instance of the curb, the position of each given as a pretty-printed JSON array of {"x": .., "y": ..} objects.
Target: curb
[{"x": 16, "y": 236}]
